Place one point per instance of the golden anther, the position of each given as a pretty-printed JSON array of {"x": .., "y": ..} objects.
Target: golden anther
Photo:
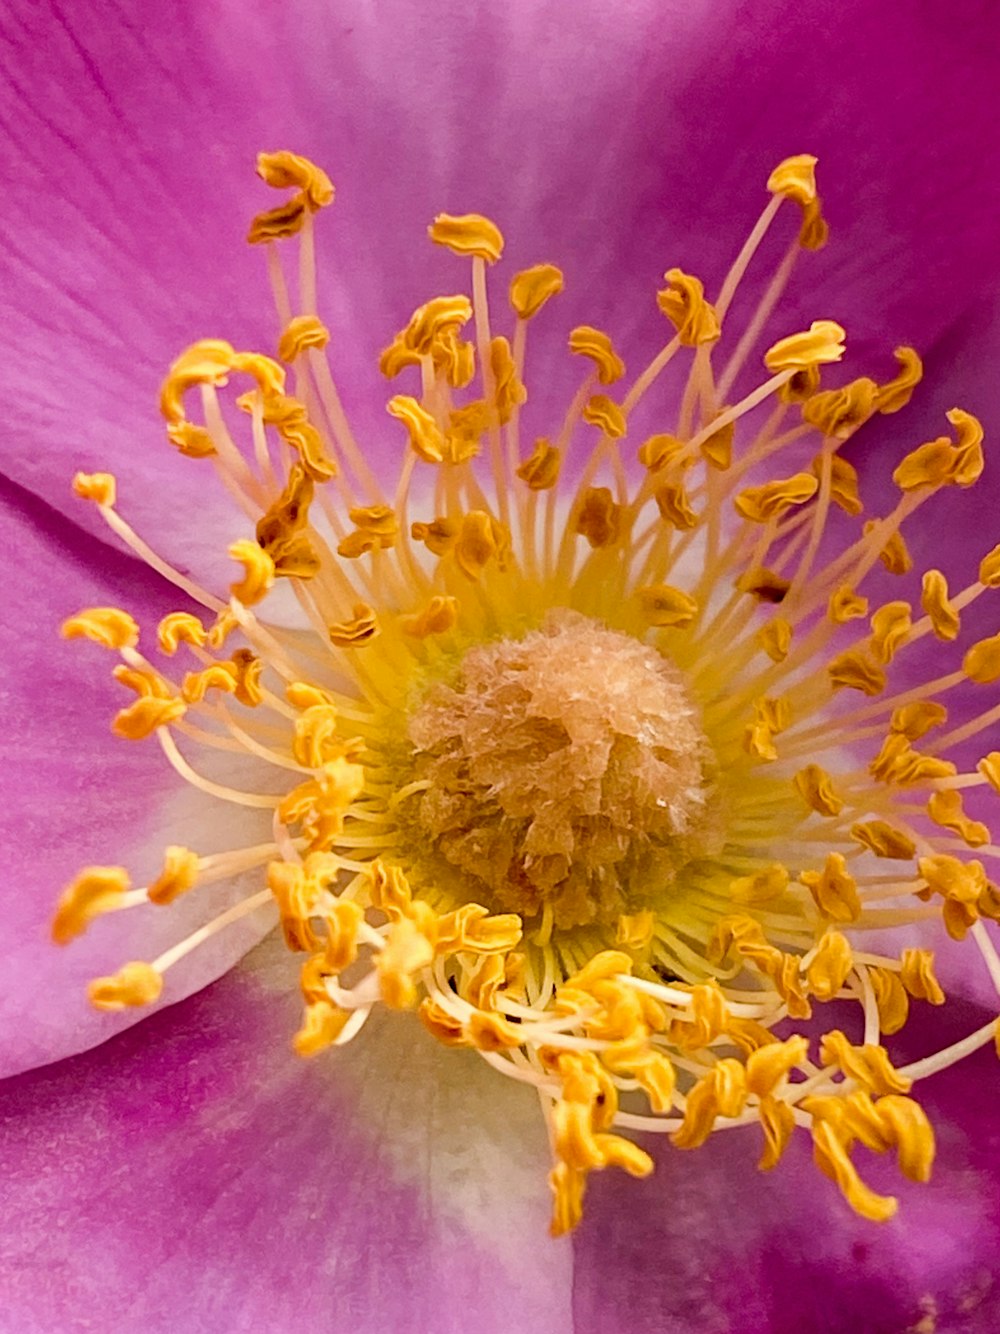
[
  {"x": 852, "y": 669},
  {"x": 219, "y": 676},
  {"x": 407, "y": 951},
  {"x": 891, "y": 626},
  {"x": 300, "y": 333},
  {"x": 761, "y": 504},
  {"x": 769, "y": 1067},
  {"x": 898, "y": 763},
  {"x": 194, "y": 442},
  {"x": 259, "y": 572},
  {"x": 802, "y": 385},
  {"x": 683, "y": 302},
  {"x": 982, "y": 662},
  {"x": 208, "y": 361},
  {"x": 674, "y": 507},
  {"x": 567, "y": 1188},
  {"x": 289, "y": 171},
  {"x": 918, "y": 718},
  {"x": 439, "y": 536},
  {"x": 891, "y": 1000},
  {"x": 356, "y": 630},
  {"x": 934, "y": 600},
  {"x": 662, "y": 451},
  {"x": 762, "y": 886},
  {"x": 846, "y": 605},
  {"x": 95, "y": 890},
  {"x": 764, "y": 585},
  {"x": 248, "y": 668},
  {"x": 820, "y": 345},
  {"x": 989, "y": 767},
  {"x": 777, "y": 1121},
  {"x": 917, "y": 976},
  {"x": 296, "y": 895},
  {"x": 467, "y": 424},
  {"x": 896, "y": 393},
  {"x": 830, "y": 967},
  {"x": 771, "y": 716},
  {"x": 135, "y": 984},
  {"x": 968, "y": 446},
  {"x": 989, "y": 569},
  {"x": 635, "y": 930},
  {"x": 322, "y": 1023},
  {"x": 722, "y": 1092},
  {"x": 437, "y": 618},
  {"x": 831, "y": 1157},
  {"x": 815, "y": 786},
  {"x": 100, "y": 487},
  {"x": 142, "y": 718},
  {"x": 775, "y": 638},
  {"x": 491, "y": 1032},
  {"x": 882, "y": 839},
  {"x": 509, "y": 392},
  {"x": 795, "y": 178},
  {"x": 426, "y": 438},
  {"x": 868, "y": 1065},
  {"x": 468, "y": 234},
  {"x": 586, "y": 341},
  {"x": 377, "y": 528},
  {"x": 838, "y": 413},
  {"x": 843, "y": 483},
  {"x": 306, "y": 440},
  {"x": 599, "y": 517},
  {"x": 665, "y": 606},
  {"x": 834, "y": 889},
  {"x": 480, "y": 539},
  {"x": 107, "y": 626},
  {"x": 717, "y": 448},
  {"x": 179, "y": 874},
  {"x": 531, "y": 288},
  {"x": 316, "y": 741},
  {"x": 945, "y": 809},
  {"x": 605, "y": 413},
  {"x": 434, "y": 320},
  {"x": 540, "y": 470}
]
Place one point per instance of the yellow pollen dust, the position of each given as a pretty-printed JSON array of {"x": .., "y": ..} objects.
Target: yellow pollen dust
[{"x": 601, "y": 739}]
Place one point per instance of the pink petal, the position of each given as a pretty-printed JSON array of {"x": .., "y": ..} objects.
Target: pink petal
[
  {"x": 74, "y": 795},
  {"x": 194, "y": 1174}
]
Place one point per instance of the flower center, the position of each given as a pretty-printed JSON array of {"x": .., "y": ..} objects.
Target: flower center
[{"x": 566, "y": 772}]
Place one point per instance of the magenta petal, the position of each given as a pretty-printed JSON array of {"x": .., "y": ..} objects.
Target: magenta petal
[
  {"x": 74, "y": 795},
  {"x": 617, "y": 139},
  {"x": 193, "y": 1174},
  {"x": 708, "y": 1245}
]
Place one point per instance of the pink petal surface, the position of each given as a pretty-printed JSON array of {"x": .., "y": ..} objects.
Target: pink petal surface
[
  {"x": 616, "y": 139},
  {"x": 74, "y": 795},
  {"x": 194, "y": 1175}
]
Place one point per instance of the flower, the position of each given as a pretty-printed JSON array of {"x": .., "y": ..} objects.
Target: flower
[{"x": 597, "y": 521}]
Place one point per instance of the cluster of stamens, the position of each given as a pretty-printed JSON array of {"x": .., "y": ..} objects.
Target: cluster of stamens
[{"x": 601, "y": 821}]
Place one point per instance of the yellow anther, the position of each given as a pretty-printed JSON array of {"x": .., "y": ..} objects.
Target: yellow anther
[
  {"x": 906, "y": 1126},
  {"x": 815, "y": 786},
  {"x": 769, "y": 1066},
  {"x": 890, "y": 998},
  {"x": 762, "y": 886},
  {"x": 296, "y": 895},
  {"x": 407, "y": 951},
  {"x": 831, "y": 1157},
  {"x": 664, "y": 606},
  {"x": 179, "y": 874},
  {"x": 989, "y": 767},
  {"x": 454, "y": 358},
  {"x": 377, "y": 528},
  {"x": 467, "y": 424},
  {"x": 436, "y": 319},
  {"x": 934, "y": 600},
  {"x": 989, "y": 569},
  {"x": 868, "y": 1065},
  {"x": 509, "y": 392},
  {"x": 706, "y": 1019},
  {"x": 259, "y": 572},
  {"x": 468, "y": 234},
  {"x": 674, "y": 507},
  {"x": 795, "y": 178},
  {"x": 916, "y": 720},
  {"x": 855, "y": 671},
  {"x": 441, "y": 1025},
  {"x": 662, "y": 451},
  {"x": 604, "y": 413},
  {"x": 439, "y": 536},
  {"x": 320, "y": 804},
  {"x": 775, "y": 638},
  {"x": 945, "y": 809},
  {"x": 300, "y": 333},
  {"x": 540, "y": 470},
  {"x": 834, "y": 889},
  {"x": 814, "y": 231},
  {"x": 491, "y": 1032},
  {"x": 683, "y": 302},
  {"x": 531, "y": 288},
  {"x": 322, "y": 1024},
  {"x": 926, "y": 467},
  {"x": 219, "y": 676},
  {"x": 316, "y": 741},
  {"x": 968, "y": 446},
  {"x": 846, "y": 605},
  {"x": 358, "y": 629},
  {"x": 953, "y": 879},
  {"x": 567, "y": 1188},
  {"x": 248, "y": 668},
  {"x": 480, "y": 539},
  {"x": 289, "y": 171},
  {"x": 917, "y": 976},
  {"x": 843, "y": 483},
  {"x": 763, "y": 584},
  {"x": 142, "y": 718},
  {"x": 437, "y": 618},
  {"x": 830, "y": 967},
  {"x": 599, "y": 517},
  {"x": 209, "y": 361},
  {"x": 820, "y": 345},
  {"x": 891, "y": 626},
  {"x": 223, "y": 626},
  {"x": 95, "y": 890},
  {"x": 342, "y": 922},
  {"x": 897, "y": 762},
  {"x": 269, "y": 375},
  {"x": 802, "y": 385},
  {"x": 100, "y": 487},
  {"x": 586, "y": 341},
  {"x": 717, "y": 448},
  {"x": 651, "y": 1070},
  {"x": 179, "y": 627},
  {"x": 896, "y": 393},
  {"x": 134, "y": 984},
  {"x": 280, "y": 410},
  {"x": 302, "y": 695},
  {"x": 635, "y": 930},
  {"x": 107, "y": 626},
  {"x": 777, "y": 1121},
  {"x": 882, "y": 839},
  {"x": 982, "y": 662},
  {"x": 837, "y": 413},
  {"x": 426, "y": 437},
  {"x": 761, "y": 504},
  {"x": 146, "y": 682},
  {"x": 396, "y": 357},
  {"x": 722, "y": 1092},
  {"x": 389, "y": 890}
]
